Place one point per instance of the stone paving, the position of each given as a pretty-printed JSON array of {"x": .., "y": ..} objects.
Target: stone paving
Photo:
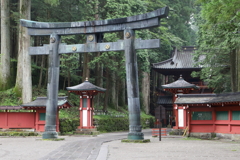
[
  {"x": 83, "y": 148},
  {"x": 73, "y": 147},
  {"x": 174, "y": 149},
  {"x": 108, "y": 146}
]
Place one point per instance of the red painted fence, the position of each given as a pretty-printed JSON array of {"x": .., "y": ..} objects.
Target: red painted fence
[
  {"x": 10, "y": 120},
  {"x": 155, "y": 131}
]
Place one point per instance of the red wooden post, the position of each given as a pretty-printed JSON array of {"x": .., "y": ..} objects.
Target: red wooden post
[
  {"x": 214, "y": 119},
  {"x": 189, "y": 120},
  {"x": 229, "y": 120}
]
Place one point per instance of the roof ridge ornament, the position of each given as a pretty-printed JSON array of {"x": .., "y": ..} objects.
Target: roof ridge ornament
[{"x": 86, "y": 79}]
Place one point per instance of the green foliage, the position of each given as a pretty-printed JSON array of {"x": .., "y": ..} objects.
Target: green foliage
[
  {"x": 4, "y": 86},
  {"x": 181, "y": 14},
  {"x": 135, "y": 141},
  {"x": 217, "y": 39},
  {"x": 52, "y": 2},
  {"x": 9, "y": 98},
  {"x": 106, "y": 123},
  {"x": 112, "y": 124},
  {"x": 191, "y": 138},
  {"x": 70, "y": 113},
  {"x": 67, "y": 125},
  {"x": 109, "y": 123},
  {"x": 16, "y": 134},
  {"x": 112, "y": 62}
]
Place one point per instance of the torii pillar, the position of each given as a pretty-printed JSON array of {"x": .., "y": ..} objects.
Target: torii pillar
[{"x": 86, "y": 91}]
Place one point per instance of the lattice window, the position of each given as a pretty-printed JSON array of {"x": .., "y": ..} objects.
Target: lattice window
[
  {"x": 235, "y": 115},
  {"x": 42, "y": 116},
  {"x": 222, "y": 115},
  {"x": 202, "y": 115}
]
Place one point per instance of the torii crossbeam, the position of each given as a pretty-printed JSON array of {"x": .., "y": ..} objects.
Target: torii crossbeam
[{"x": 92, "y": 29}]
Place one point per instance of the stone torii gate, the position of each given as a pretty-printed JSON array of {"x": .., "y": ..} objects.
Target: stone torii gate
[{"x": 94, "y": 31}]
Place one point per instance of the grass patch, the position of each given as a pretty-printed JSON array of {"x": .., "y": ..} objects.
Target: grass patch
[
  {"x": 136, "y": 141},
  {"x": 18, "y": 134},
  {"x": 144, "y": 115},
  {"x": 191, "y": 138},
  {"x": 53, "y": 139}
]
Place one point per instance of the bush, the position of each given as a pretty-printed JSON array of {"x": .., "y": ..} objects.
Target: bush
[
  {"x": 112, "y": 124},
  {"x": 147, "y": 122},
  {"x": 67, "y": 125},
  {"x": 109, "y": 124},
  {"x": 18, "y": 134}
]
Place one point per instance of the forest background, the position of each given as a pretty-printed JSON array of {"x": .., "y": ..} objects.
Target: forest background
[{"x": 24, "y": 77}]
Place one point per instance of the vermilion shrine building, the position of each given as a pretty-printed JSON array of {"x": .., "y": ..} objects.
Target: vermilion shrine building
[
  {"x": 191, "y": 103},
  {"x": 34, "y": 116}
]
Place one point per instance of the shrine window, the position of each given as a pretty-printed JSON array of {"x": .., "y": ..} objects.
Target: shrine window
[
  {"x": 222, "y": 115},
  {"x": 202, "y": 115},
  {"x": 84, "y": 103},
  {"x": 235, "y": 115},
  {"x": 42, "y": 116}
]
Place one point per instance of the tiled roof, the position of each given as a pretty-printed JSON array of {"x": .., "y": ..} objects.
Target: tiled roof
[
  {"x": 208, "y": 98},
  {"x": 86, "y": 86},
  {"x": 181, "y": 59},
  {"x": 41, "y": 102},
  {"x": 165, "y": 100},
  {"x": 180, "y": 83},
  {"x": 10, "y": 107}
]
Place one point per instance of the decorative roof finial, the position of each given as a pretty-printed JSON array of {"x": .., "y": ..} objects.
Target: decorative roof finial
[
  {"x": 86, "y": 79},
  {"x": 180, "y": 76}
]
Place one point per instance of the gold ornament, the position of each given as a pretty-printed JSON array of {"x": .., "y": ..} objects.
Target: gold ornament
[
  {"x": 74, "y": 48},
  {"x": 107, "y": 46},
  {"x": 90, "y": 38},
  {"x": 127, "y": 35}
]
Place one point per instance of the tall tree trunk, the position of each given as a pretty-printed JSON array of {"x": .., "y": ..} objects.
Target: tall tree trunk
[
  {"x": 69, "y": 76},
  {"x": 46, "y": 73},
  {"x": 107, "y": 91},
  {"x": 146, "y": 92},
  {"x": 14, "y": 43},
  {"x": 114, "y": 90},
  {"x": 24, "y": 75},
  {"x": 98, "y": 81},
  {"x": 5, "y": 81},
  {"x": 122, "y": 92},
  {"x": 41, "y": 73},
  {"x": 235, "y": 70},
  {"x": 86, "y": 70},
  {"x": 80, "y": 68},
  {"x": 238, "y": 68},
  {"x": 153, "y": 82}
]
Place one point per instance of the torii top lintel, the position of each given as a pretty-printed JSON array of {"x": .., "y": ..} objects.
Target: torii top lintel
[{"x": 141, "y": 21}]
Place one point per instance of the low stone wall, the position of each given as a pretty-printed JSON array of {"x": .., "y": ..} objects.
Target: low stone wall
[
  {"x": 203, "y": 135},
  {"x": 175, "y": 131},
  {"x": 229, "y": 136},
  {"x": 213, "y": 135}
]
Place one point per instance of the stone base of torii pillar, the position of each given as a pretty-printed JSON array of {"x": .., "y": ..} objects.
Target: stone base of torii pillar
[{"x": 92, "y": 131}]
